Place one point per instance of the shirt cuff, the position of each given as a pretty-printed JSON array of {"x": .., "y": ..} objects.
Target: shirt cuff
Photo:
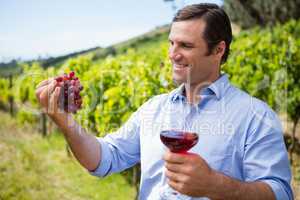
[
  {"x": 278, "y": 190},
  {"x": 104, "y": 166}
]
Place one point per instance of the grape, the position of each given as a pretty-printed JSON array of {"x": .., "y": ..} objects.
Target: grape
[
  {"x": 59, "y": 79},
  {"x": 72, "y": 74},
  {"x": 70, "y": 99}
]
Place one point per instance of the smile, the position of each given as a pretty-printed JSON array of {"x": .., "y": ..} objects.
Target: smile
[{"x": 178, "y": 66}]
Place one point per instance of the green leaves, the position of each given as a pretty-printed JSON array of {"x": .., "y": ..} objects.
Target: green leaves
[{"x": 264, "y": 62}]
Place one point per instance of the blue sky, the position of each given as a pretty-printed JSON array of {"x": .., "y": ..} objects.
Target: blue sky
[{"x": 32, "y": 28}]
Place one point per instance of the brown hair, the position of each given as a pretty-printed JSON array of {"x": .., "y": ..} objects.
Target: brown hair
[{"x": 217, "y": 29}]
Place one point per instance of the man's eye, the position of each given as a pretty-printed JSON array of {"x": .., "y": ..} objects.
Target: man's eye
[{"x": 186, "y": 46}]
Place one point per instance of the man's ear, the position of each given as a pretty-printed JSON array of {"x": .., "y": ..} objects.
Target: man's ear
[{"x": 220, "y": 49}]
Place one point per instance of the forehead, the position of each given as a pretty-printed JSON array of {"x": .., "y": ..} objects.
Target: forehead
[{"x": 191, "y": 30}]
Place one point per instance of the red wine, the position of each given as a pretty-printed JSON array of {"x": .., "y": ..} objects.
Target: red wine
[{"x": 178, "y": 141}]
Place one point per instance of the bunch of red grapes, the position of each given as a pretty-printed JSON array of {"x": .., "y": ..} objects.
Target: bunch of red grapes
[{"x": 70, "y": 99}]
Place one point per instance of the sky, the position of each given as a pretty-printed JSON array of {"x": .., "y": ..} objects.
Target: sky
[{"x": 33, "y": 28}]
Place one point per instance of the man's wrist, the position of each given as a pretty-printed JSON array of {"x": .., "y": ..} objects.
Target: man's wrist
[
  {"x": 225, "y": 187},
  {"x": 221, "y": 185},
  {"x": 60, "y": 117},
  {"x": 216, "y": 181}
]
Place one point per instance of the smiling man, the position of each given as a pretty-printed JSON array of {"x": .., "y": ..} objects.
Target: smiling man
[
  {"x": 196, "y": 51},
  {"x": 240, "y": 153}
]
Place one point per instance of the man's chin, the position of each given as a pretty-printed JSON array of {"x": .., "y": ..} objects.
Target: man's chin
[{"x": 177, "y": 81}]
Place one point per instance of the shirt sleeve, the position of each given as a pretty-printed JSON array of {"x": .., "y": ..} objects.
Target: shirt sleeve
[
  {"x": 265, "y": 155},
  {"x": 119, "y": 150}
]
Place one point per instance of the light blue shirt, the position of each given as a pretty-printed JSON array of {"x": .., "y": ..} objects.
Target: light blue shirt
[{"x": 239, "y": 136}]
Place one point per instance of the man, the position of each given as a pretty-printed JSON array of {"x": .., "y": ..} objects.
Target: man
[{"x": 240, "y": 153}]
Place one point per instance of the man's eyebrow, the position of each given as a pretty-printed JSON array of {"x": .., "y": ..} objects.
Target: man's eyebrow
[{"x": 182, "y": 41}]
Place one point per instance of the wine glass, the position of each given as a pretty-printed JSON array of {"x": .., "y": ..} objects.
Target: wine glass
[{"x": 177, "y": 142}]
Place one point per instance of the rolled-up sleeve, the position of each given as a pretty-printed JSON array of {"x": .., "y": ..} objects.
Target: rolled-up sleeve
[
  {"x": 265, "y": 156},
  {"x": 119, "y": 150}
]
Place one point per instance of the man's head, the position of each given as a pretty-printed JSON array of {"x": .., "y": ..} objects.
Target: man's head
[{"x": 200, "y": 38}]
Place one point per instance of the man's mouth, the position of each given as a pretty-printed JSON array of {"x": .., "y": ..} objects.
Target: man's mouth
[{"x": 180, "y": 66}]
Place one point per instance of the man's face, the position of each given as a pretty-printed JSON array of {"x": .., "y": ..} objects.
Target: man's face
[{"x": 188, "y": 53}]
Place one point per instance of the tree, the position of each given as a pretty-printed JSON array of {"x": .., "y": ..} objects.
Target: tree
[
  {"x": 248, "y": 13},
  {"x": 293, "y": 82}
]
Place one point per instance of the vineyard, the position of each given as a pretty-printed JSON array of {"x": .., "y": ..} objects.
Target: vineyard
[{"x": 263, "y": 62}]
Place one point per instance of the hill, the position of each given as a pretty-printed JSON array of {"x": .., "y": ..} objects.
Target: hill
[{"x": 142, "y": 41}]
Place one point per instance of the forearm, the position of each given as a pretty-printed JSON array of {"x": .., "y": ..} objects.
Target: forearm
[
  {"x": 229, "y": 188},
  {"x": 85, "y": 147}
]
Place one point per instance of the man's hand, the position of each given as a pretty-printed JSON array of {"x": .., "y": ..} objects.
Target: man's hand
[
  {"x": 188, "y": 174},
  {"x": 47, "y": 94},
  {"x": 84, "y": 146}
]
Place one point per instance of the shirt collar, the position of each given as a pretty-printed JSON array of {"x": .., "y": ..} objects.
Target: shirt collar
[
  {"x": 177, "y": 94},
  {"x": 220, "y": 86},
  {"x": 217, "y": 88}
]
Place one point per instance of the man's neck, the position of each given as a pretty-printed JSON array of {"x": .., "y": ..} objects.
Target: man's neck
[{"x": 192, "y": 91}]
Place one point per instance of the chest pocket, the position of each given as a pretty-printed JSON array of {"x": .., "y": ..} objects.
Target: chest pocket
[{"x": 217, "y": 150}]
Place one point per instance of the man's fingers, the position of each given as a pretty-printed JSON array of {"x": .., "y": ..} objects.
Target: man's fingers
[
  {"x": 47, "y": 91},
  {"x": 51, "y": 87},
  {"x": 177, "y": 177},
  {"x": 172, "y": 176},
  {"x": 175, "y": 185},
  {"x": 39, "y": 90},
  {"x": 44, "y": 82},
  {"x": 53, "y": 104},
  {"x": 175, "y": 157},
  {"x": 174, "y": 167},
  {"x": 41, "y": 86}
]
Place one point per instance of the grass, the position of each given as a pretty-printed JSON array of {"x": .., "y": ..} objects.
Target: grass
[
  {"x": 39, "y": 168},
  {"x": 296, "y": 177}
]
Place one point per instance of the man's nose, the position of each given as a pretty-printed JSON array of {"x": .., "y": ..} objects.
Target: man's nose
[{"x": 174, "y": 55}]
